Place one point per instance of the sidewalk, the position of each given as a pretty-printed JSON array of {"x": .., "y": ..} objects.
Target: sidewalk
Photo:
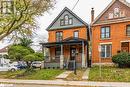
[{"x": 66, "y": 83}]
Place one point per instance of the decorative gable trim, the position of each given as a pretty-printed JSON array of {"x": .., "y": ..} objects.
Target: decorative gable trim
[
  {"x": 66, "y": 9},
  {"x": 113, "y": 1}
]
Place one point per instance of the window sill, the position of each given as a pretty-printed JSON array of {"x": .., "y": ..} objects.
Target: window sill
[
  {"x": 106, "y": 57},
  {"x": 106, "y": 39}
]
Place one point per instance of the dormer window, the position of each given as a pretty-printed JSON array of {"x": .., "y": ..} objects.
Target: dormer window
[
  {"x": 66, "y": 20},
  {"x": 7, "y": 7}
]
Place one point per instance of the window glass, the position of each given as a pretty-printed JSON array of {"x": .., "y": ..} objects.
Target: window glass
[
  {"x": 76, "y": 34},
  {"x": 106, "y": 51},
  {"x": 128, "y": 30},
  {"x": 59, "y": 36},
  {"x": 105, "y": 32},
  {"x": 70, "y": 21}
]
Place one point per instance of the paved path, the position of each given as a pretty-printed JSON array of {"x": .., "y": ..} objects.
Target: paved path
[
  {"x": 86, "y": 74},
  {"x": 63, "y": 75},
  {"x": 67, "y": 83}
]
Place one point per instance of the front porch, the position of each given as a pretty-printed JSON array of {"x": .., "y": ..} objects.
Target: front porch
[{"x": 64, "y": 54}]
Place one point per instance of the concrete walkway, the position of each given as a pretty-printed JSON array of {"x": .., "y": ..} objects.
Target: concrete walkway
[
  {"x": 86, "y": 74},
  {"x": 66, "y": 83},
  {"x": 63, "y": 75}
]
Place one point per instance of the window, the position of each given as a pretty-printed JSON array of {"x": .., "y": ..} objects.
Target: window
[
  {"x": 59, "y": 36},
  {"x": 106, "y": 50},
  {"x": 128, "y": 30},
  {"x": 66, "y": 20},
  {"x": 76, "y": 34},
  {"x": 7, "y": 7},
  {"x": 105, "y": 32}
]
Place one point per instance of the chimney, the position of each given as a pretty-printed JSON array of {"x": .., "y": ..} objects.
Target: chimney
[{"x": 92, "y": 15}]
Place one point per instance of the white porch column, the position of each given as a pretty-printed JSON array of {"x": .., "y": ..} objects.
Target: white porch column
[
  {"x": 61, "y": 58},
  {"x": 83, "y": 56}
]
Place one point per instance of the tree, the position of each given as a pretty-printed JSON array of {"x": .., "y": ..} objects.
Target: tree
[
  {"x": 25, "y": 42},
  {"x": 33, "y": 57},
  {"x": 21, "y": 19},
  {"x": 17, "y": 52}
]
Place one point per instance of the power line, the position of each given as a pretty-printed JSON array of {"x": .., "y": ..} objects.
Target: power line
[{"x": 75, "y": 5}]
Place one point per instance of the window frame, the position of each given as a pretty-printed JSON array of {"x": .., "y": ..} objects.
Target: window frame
[
  {"x": 7, "y": 7},
  {"x": 127, "y": 31},
  {"x": 105, "y": 50},
  {"x": 105, "y": 33},
  {"x": 59, "y": 38},
  {"x": 74, "y": 34}
]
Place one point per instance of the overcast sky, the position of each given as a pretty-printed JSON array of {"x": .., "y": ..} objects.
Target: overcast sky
[{"x": 83, "y": 10}]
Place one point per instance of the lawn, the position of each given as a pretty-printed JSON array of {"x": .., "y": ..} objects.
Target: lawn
[
  {"x": 43, "y": 74},
  {"x": 110, "y": 74}
]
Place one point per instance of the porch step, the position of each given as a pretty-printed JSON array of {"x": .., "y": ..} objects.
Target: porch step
[
  {"x": 63, "y": 75},
  {"x": 86, "y": 74}
]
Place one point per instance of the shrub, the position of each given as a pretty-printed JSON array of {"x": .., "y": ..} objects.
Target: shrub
[{"x": 122, "y": 59}]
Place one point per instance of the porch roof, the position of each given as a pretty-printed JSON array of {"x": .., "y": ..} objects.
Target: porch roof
[{"x": 68, "y": 41}]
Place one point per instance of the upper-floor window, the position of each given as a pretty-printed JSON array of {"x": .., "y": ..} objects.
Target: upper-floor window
[
  {"x": 76, "y": 34},
  {"x": 59, "y": 36},
  {"x": 66, "y": 20},
  {"x": 6, "y": 7},
  {"x": 128, "y": 30},
  {"x": 106, "y": 50},
  {"x": 105, "y": 32}
]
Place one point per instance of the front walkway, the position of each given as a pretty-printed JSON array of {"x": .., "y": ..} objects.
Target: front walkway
[
  {"x": 66, "y": 83},
  {"x": 63, "y": 75}
]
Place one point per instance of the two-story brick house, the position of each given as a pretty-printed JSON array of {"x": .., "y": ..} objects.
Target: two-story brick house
[
  {"x": 111, "y": 32},
  {"x": 67, "y": 42}
]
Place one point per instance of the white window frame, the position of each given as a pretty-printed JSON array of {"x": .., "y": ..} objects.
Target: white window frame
[{"x": 106, "y": 50}]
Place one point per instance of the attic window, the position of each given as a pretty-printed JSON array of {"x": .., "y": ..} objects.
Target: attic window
[{"x": 66, "y": 20}]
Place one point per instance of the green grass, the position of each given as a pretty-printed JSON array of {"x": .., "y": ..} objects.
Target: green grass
[
  {"x": 110, "y": 74},
  {"x": 44, "y": 74}
]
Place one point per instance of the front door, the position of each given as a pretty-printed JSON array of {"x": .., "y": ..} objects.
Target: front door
[
  {"x": 72, "y": 53},
  {"x": 72, "y": 58},
  {"x": 125, "y": 47}
]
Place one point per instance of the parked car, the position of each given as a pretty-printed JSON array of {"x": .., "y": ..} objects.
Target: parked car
[
  {"x": 19, "y": 65},
  {"x": 36, "y": 64},
  {"x": 8, "y": 68}
]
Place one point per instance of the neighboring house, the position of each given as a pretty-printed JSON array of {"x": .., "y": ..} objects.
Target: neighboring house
[
  {"x": 111, "y": 32},
  {"x": 3, "y": 54},
  {"x": 67, "y": 42}
]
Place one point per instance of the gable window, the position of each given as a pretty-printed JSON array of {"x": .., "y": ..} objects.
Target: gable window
[
  {"x": 7, "y": 7},
  {"x": 66, "y": 20},
  {"x": 105, "y": 32},
  {"x": 59, "y": 36},
  {"x": 76, "y": 34},
  {"x": 106, "y": 50},
  {"x": 128, "y": 30}
]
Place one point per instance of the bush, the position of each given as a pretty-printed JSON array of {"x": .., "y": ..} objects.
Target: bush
[{"x": 122, "y": 59}]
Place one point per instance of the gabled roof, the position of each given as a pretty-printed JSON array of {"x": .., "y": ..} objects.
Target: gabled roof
[
  {"x": 113, "y": 1},
  {"x": 66, "y": 9}
]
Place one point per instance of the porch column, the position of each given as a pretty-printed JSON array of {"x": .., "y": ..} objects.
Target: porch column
[
  {"x": 83, "y": 56},
  {"x": 61, "y": 58}
]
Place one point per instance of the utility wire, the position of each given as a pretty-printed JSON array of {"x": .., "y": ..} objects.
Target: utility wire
[{"x": 75, "y": 5}]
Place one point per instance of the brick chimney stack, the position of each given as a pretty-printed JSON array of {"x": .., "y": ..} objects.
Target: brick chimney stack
[{"x": 92, "y": 15}]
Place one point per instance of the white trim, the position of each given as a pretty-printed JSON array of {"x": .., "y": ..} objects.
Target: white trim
[
  {"x": 106, "y": 43},
  {"x": 125, "y": 41}
]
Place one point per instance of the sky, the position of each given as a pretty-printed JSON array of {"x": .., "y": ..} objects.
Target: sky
[{"x": 83, "y": 10}]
